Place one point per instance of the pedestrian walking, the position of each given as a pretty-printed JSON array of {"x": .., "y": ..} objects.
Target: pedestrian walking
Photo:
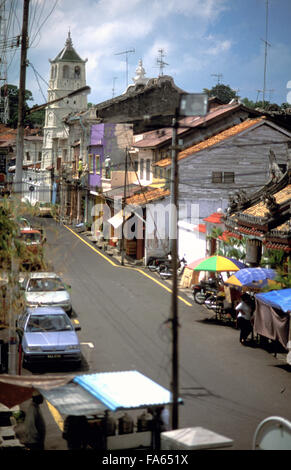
[
  {"x": 34, "y": 424},
  {"x": 244, "y": 317}
]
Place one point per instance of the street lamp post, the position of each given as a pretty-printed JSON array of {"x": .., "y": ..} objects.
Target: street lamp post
[{"x": 191, "y": 104}]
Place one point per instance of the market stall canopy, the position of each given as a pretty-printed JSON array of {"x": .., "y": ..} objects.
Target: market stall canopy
[
  {"x": 280, "y": 299},
  {"x": 251, "y": 277},
  {"x": 219, "y": 263},
  {"x": 124, "y": 390},
  {"x": 15, "y": 389},
  {"x": 71, "y": 399}
]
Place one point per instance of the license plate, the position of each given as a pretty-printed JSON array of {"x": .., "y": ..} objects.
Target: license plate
[{"x": 54, "y": 356}]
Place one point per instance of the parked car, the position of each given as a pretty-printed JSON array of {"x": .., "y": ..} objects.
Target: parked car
[
  {"x": 46, "y": 290},
  {"x": 44, "y": 209},
  {"x": 47, "y": 334},
  {"x": 33, "y": 241}
]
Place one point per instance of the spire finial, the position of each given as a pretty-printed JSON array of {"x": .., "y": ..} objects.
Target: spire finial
[{"x": 69, "y": 39}]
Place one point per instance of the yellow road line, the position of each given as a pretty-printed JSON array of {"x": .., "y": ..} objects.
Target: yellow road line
[
  {"x": 56, "y": 415},
  {"x": 128, "y": 267}
]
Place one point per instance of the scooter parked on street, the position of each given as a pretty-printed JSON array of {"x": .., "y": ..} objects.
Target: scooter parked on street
[
  {"x": 166, "y": 271},
  {"x": 204, "y": 290},
  {"x": 154, "y": 263}
]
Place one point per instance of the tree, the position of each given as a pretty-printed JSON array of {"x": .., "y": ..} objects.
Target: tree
[
  {"x": 221, "y": 91},
  {"x": 30, "y": 120}
]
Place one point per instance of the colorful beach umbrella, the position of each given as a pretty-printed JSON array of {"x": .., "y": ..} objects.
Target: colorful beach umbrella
[
  {"x": 252, "y": 277},
  {"x": 219, "y": 263}
]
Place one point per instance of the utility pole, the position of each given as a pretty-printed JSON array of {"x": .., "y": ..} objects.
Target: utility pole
[
  {"x": 21, "y": 100},
  {"x": 123, "y": 209},
  {"x": 174, "y": 254}
]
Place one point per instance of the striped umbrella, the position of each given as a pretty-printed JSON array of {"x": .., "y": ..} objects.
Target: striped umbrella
[{"x": 219, "y": 263}]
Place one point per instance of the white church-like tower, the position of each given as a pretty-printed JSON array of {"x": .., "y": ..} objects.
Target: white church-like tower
[{"x": 67, "y": 74}]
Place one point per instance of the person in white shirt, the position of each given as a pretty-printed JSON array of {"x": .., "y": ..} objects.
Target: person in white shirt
[{"x": 244, "y": 317}]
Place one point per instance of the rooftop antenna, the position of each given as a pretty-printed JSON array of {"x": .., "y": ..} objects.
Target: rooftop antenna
[
  {"x": 266, "y": 50},
  {"x": 113, "y": 87},
  {"x": 218, "y": 76},
  {"x": 161, "y": 62},
  {"x": 126, "y": 60}
]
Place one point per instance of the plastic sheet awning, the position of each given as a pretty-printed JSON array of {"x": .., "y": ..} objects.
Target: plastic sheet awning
[
  {"x": 280, "y": 299},
  {"x": 124, "y": 390},
  {"x": 72, "y": 399}
]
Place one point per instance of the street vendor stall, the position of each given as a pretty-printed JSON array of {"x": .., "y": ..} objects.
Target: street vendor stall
[{"x": 272, "y": 317}]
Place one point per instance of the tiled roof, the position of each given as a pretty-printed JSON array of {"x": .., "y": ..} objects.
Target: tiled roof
[
  {"x": 216, "y": 139},
  {"x": 215, "y": 218},
  {"x": 148, "y": 196},
  {"x": 155, "y": 138},
  {"x": 261, "y": 210}
]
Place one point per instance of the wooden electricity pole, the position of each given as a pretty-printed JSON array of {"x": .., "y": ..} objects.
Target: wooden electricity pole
[
  {"x": 174, "y": 254},
  {"x": 21, "y": 100}
]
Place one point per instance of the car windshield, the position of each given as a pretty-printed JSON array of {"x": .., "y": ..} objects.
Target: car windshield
[
  {"x": 45, "y": 285},
  {"x": 31, "y": 237},
  {"x": 41, "y": 323}
]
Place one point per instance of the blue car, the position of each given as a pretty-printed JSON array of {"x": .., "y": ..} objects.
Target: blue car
[{"x": 48, "y": 335}]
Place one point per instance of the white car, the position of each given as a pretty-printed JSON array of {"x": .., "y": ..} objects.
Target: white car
[{"x": 44, "y": 289}]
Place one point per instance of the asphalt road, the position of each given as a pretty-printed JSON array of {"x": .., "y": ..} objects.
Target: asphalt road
[{"x": 226, "y": 387}]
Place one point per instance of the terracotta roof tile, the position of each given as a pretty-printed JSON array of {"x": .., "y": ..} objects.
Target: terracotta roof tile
[
  {"x": 216, "y": 139},
  {"x": 148, "y": 196},
  {"x": 261, "y": 210}
]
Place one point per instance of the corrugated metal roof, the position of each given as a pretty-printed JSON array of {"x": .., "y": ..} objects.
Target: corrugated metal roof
[{"x": 124, "y": 390}]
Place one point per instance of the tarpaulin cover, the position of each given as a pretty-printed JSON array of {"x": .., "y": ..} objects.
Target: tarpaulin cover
[
  {"x": 124, "y": 390},
  {"x": 15, "y": 389},
  {"x": 269, "y": 323},
  {"x": 71, "y": 399},
  {"x": 277, "y": 298}
]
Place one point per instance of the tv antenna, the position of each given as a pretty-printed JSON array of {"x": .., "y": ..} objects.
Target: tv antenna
[
  {"x": 218, "y": 76},
  {"x": 161, "y": 62},
  {"x": 267, "y": 44},
  {"x": 113, "y": 86},
  {"x": 126, "y": 60}
]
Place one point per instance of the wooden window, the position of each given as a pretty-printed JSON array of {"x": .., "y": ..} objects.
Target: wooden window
[
  {"x": 141, "y": 169},
  {"x": 217, "y": 177},
  {"x": 91, "y": 163},
  {"x": 148, "y": 169},
  {"x": 97, "y": 164},
  {"x": 228, "y": 177}
]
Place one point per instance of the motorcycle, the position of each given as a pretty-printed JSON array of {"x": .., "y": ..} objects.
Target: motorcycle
[
  {"x": 204, "y": 290},
  {"x": 154, "y": 263},
  {"x": 216, "y": 302},
  {"x": 166, "y": 271}
]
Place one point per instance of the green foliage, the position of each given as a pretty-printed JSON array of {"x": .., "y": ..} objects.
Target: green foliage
[
  {"x": 31, "y": 120},
  {"x": 221, "y": 91},
  {"x": 231, "y": 247},
  {"x": 272, "y": 258}
]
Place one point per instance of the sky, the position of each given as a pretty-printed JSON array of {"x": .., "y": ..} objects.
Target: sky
[{"x": 204, "y": 41}]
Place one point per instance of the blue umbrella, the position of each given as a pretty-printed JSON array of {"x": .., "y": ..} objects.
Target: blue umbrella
[{"x": 251, "y": 277}]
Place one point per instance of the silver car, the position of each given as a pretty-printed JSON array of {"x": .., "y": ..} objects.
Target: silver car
[
  {"x": 47, "y": 290},
  {"x": 48, "y": 335}
]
